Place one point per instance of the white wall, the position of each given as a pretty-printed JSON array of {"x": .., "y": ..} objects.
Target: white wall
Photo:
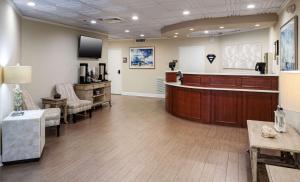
[
  {"x": 166, "y": 50},
  {"x": 51, "y": 50},
  {"x": 9, "y": 53},
  {"x": 293, "y": 116},
  {"x": 191, "y": 59}
]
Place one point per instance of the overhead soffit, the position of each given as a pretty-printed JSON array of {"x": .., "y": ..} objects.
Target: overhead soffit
[{"x": 234, "y": 23}]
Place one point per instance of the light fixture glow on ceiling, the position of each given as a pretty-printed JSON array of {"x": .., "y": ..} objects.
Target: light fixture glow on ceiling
[
  {"x": 30, "y": 3},
  {"x": 175, "y": 36},
  {"x": 257, "y": 25},
  {"x": 127, "y": 31},
  {"x": 206, "y": 31},
  {"x": 134, "y": 17},
  {"x": 142, "y": 35},
  {"x": 251, "y": 6},
  {"x": 191, "y": 29},
  {"x": 176, "y": 33},
  {"x": 186, "y": 12},
  {"x": 221, "y": 27},
  {"x": 93, "y": 21}
]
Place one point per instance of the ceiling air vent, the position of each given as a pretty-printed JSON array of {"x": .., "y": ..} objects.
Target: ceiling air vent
[
  {"x": 111, "y": 20},
  {"x": 140, "y": 40}
]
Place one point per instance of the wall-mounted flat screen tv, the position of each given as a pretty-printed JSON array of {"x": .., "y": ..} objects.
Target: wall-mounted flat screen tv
[{"x": 89, "y": 47}]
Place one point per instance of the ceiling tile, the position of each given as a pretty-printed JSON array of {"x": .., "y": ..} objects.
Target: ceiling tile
[{"x": 153, "y": 14}]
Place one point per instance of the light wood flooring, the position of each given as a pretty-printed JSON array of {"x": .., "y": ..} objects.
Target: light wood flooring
[{"x": 136, "y": 140}]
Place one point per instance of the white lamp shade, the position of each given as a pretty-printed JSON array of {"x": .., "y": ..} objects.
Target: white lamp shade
[
  {"x": 290, "y": 90},
  {"x": 0, "y": 74},
  {"x": 17, "y": 74}
]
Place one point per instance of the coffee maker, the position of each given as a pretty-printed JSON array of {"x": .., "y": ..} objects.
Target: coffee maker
[
  {"x": 172, "y": 64},
  {"x": 261, "y": 67}
]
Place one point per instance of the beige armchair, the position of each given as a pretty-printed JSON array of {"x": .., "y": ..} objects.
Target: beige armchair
[
  {"x": 52, "y": 115},
  {"x": 75, "y": 105}
]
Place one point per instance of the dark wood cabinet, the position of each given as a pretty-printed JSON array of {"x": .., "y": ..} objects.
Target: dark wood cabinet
[
  {"x": 226, "y": 108},
  {"x": 171, "y": 77},
  {"x": 232, "y": 81},
  {"x": 195, "y": 105},
  {"x": 200, "y": 105},
  {"x": 231, "y": 108},
  {"x": 214, "y": 99},
  {"x": 169, "y": 100},
  {"x": 259, "y": 106},
  {"x": 180, "y": 106},
  {"x": 259, "y": 82},
  {"x": 222, "y": 81},
  {"x": 191, "y": 80}
]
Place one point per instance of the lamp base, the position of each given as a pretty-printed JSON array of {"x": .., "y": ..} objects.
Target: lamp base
[{"x": 17, "y": 113}]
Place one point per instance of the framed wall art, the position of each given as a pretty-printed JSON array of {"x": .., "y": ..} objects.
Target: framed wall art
[
  {"x": 142, "y": 58},
  {"x": 289, "y": 45}
]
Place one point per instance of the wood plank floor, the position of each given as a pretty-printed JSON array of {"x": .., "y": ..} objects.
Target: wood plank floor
[{"x": 136, "y": 140}]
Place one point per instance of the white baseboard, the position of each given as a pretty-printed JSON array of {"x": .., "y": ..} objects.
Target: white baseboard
[{"x": 139, "y": 94}]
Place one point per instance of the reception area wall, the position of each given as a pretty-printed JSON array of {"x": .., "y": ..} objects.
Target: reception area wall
[{"x": 166, "y": 50}]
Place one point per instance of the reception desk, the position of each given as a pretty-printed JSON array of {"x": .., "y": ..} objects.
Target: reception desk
[{"x": 225, "y": 99}]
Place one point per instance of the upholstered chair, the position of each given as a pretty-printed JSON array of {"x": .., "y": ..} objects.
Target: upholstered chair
[
  {"x": 52, "y": 115},
  {"x": 75, "y": 105}
]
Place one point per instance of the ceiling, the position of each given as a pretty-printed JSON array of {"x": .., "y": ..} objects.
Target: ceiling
[{"x": 153, "y": 14}]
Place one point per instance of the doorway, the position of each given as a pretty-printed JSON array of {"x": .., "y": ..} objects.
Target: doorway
[{"x": 115, "y": 70}]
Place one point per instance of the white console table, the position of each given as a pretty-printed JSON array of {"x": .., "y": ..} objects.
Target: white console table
[
  {"x": 23, "y": 137},
  {"x": 286, "y": 142}
]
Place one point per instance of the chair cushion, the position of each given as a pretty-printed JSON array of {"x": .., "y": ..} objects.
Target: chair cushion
[
  {"x": 28, "y": 101},
  {"x": 54, "y": 122},
  {"x": 67, "y": 91},
  {"x": 80, "y": 103},
  {"x": 52, "y": 114}
]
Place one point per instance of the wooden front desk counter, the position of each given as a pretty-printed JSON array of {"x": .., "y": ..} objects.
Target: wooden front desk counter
[{"x": 223, "y": 99}]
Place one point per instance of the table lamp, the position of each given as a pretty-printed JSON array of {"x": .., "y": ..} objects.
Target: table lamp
[
  {"x": 17, "y": 75},
  {"x": 290, "y": 96},
  {"x": 0, "y": 74}
]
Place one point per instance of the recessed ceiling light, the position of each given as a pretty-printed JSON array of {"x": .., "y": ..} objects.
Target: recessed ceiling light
[
  {"x": 221, "y": 27},
  {"x": 251, "y": 6},
  {"x": 191, "y": 29},
  {"x": 30, "y": 3},
  {"x": 93, "y": 21},
  {"x": 127, "y": 31},
  {"x": 176, "y": 33},
  {"x": 134, "y": 17},
  {"x": 175, "y": 36},
  {"x": 257, "y": 25},
  {"x": 142, "y": 35},
  {"x": 186, "y": 12},
  {"x": 206, "y": 31}
]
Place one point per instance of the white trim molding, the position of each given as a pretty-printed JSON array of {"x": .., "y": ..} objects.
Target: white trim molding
[{"x": 140, "y": 94}]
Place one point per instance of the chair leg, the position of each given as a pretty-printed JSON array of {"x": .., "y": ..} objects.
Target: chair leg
[
  {"x": 58, "y": 130},
  {"x": 72, "y": 118},
  {"x": 90, "y": 113}
]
